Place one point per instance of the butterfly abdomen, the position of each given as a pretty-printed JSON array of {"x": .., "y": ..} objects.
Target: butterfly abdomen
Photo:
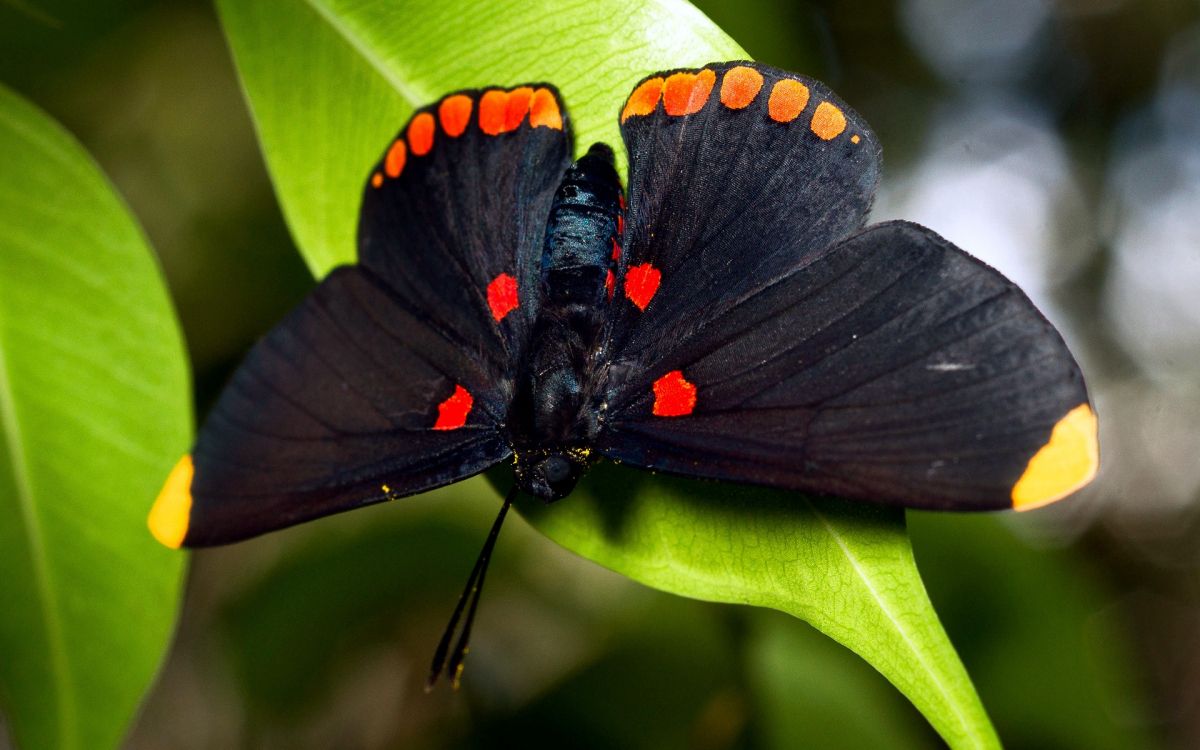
[
  {"x": 554, "y": 412},
  {"x": 580, "y": 232}
]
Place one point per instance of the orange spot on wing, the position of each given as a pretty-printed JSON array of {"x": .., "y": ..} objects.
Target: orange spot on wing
[
  {"x": 396, "y": 156},
  {"x": 502, "y": 296},
  {"x": 641, "y": 283},
  {"x": 452, "y": 413},
  {"x": 455, "y": 113},
  {"x": 610, "y": 283},
  {"x": 516, "y": 107},
  {"x": 855, "y": 138},
  {"x": 169, "y": 518},
  {"x": 1068, "y": 461},
  {"x": 644, "y": 99},
  {"x": 376, "y": 180},
  {"x": 493, "y": 111},
  {"x": 543, "y": 110},
  {"x": 788, "y": 99},
  {"x": 674, "y": 396},
  {"x": 739, "y": 87},
  {"x": 828, "y": 122},
  {"x": 687, "y": 93},
  {"x": 420, "y": 134}
]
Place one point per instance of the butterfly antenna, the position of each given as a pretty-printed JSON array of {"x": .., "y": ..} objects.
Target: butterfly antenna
[{"x": 470, "y": 595}]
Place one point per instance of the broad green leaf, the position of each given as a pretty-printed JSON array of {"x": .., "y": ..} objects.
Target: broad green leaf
[
  {"x": 331, "y": 81},
  {"x": 94, "y": 409}
]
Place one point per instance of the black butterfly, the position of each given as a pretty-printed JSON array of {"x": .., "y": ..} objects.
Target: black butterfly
[{"x": 734, "y": 321}]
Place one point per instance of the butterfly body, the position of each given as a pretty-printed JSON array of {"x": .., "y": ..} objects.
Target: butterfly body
[{"x": 556, "y": 414}]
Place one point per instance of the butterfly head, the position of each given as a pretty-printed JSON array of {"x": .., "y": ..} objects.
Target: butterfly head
[{"x": 550, "y": 474}]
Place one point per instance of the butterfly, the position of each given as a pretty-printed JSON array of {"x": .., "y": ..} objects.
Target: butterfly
[{"x": 728, "y": 316}]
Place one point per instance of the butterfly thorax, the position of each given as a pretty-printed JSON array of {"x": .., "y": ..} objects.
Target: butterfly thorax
[{"x": 555, "y": 416}]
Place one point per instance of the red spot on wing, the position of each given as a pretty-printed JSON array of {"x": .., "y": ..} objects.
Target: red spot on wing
[
  {"x": 455, "y": 113},
  {"x": 641, "y": 283},
  {"x": 397, "y": 155},
  {"x": 502, "y": 296},
  {"x": 674, "y": 395},
  {"x": 516, "y": 107},
  {"x": 493, "y": 108},
  {"x": 610, "y": 283},
  {"x": 620, "y": 225},
  {"x": 616, "y": 253},
  {"x": 452, "y": 413},
  {"x": 420, "y": 134}
]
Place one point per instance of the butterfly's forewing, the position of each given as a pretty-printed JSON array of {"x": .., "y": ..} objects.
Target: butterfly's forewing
[
  {"x": 393, "y": 376},
  {"x": 454, "y": 215},
  {"x": 737, "y": 172},
  {"x": 886, "y": 366}
]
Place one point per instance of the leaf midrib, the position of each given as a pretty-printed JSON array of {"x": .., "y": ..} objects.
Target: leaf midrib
[
  {"x": 414, "y": 98},
  {"x": 896, "y": 622},
  {"x": 50, "y": 610}
]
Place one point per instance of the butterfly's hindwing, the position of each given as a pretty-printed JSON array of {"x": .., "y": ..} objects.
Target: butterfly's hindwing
[
  {"x": 891, "y": 367},
  {"x": 350, "y": 400}
]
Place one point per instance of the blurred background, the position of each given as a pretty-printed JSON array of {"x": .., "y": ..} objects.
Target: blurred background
[{"x": 1059, "y": 141}]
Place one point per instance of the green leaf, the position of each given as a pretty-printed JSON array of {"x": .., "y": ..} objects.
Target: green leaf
[
  {"x": 94, "y": 409},
  {"x": 845, "y": 568},
  {"x": 331, "y": 81}
]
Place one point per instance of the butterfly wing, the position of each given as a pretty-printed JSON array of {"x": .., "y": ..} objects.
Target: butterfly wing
[
  {"x": 892, "y": 367},
  {"x": 737, "y": 171},
  {"x": 454, "y": 214},
  {"x": 394, "y": 375},
  {"x": 886, "y": 365},
  {"x": 351, "y": 400}
]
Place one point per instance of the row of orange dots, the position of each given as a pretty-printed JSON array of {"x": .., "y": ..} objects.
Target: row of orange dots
[
  {"x": 687, "y": 93},
  {"x": 500, "y": 111}
]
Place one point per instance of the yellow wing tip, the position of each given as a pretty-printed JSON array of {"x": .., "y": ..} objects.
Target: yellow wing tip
[
  {"x": 1067, "y": 462},
  {"x": 168, "y": 519}
]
